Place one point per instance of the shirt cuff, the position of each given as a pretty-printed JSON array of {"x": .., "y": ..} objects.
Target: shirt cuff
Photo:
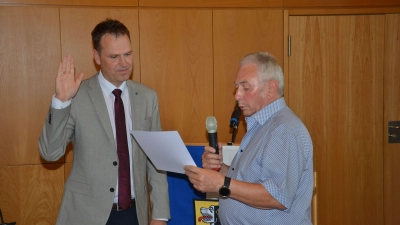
[{"x": 58, "y": 104}]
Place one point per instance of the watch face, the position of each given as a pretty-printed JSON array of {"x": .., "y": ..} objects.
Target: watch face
[{"x": 224, "y": 192}]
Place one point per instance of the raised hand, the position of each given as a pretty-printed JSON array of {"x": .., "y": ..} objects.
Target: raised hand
[{"x": 67, "y": 84}]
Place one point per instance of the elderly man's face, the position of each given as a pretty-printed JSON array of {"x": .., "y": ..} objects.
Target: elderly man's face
[{"x": 251, "y": 95}]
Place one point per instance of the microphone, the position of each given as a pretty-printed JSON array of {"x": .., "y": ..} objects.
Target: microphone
[
  {"x": 235, "y": 117},
  {"x": 211, "y": 125},
  {"x": 234, "y": 123}
]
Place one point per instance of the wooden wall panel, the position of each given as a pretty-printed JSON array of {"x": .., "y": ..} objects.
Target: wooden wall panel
[
  {"x": 338, "y": 3},
  {"x": 73, "y": 2},
  {"x": 336, "y": 88},
  {"x": 76, "y": 39},
  {"x": 29, "y": 47},
  {"x": 208, "y": 3},
  {"x": 237, "y": 33},
  {"x": 212, "y": 3},
  {"x": 31, "y": 194},
  {"x": 176, "y": 60},
  {"x": 391, "y": 113}
]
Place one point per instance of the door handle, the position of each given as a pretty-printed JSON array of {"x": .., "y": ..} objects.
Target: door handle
[{"x": 394, "y": 132}]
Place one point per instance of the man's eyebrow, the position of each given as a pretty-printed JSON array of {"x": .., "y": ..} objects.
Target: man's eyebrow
[{"x": 242, "y": 82}]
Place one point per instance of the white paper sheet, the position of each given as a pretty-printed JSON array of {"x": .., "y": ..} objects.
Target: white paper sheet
[{"x": 165, "y": 149}]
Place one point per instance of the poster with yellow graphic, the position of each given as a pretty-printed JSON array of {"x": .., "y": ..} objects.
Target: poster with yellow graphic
[{"x": 206, "y": 212}]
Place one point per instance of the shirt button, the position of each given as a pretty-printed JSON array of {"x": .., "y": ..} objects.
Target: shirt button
[
  {"x": 233, "y": 168},
  {"x": 115, "y": 163},
  {"x": 112, "y": 189}
]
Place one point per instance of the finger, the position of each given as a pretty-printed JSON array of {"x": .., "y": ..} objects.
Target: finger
[
  {"x": 79, "y": 77},
  {"x": 191, "y": 169},
  {"x": 68, "y": 64},
  {"x": 208, "y": 149},
  {"x": 64, "y": 64},
  {"x": 60, "y": 69},
  {"x": 72, "y": 66}
]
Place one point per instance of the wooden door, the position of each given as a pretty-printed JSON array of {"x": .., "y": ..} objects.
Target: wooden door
[
  {"x": 335, "y": 85},
  {"x": 392, "y": 113}
]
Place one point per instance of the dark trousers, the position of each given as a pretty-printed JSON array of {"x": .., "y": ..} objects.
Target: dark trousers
[{"x": 125, "y": 217}]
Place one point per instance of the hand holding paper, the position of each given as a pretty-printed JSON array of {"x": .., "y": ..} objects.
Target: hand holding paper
[{"x": 165, "y": 149}]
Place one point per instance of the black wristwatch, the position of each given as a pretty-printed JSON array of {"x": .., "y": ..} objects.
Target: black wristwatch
[{"x": 224, "y": 191}]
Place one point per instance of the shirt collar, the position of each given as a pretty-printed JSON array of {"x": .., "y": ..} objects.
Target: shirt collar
[
  {"x": 108, "y": 87},
  {"x": 267, "y": 112}
]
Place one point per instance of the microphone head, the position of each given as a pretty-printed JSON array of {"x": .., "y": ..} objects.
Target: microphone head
[
  {"x": 211, "y": 124},
  {"x": 234, "y": 122}
]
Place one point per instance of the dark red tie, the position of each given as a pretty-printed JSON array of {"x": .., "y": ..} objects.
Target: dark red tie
[{"x": 124, "y": 178}]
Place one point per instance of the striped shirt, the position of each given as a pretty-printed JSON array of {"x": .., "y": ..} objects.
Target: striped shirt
[{"x": 276, "y": 152}]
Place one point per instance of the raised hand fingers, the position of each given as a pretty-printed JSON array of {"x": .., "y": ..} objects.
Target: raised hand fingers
[
  {"x": 67, "y": 84},
  {"x": 66, "y": 66}
]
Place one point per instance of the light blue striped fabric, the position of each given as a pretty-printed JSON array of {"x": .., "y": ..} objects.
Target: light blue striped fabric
[{"x": 276, "y": 152}]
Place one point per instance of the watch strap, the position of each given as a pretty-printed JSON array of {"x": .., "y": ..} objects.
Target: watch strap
[{"x": 227, "y": 181}]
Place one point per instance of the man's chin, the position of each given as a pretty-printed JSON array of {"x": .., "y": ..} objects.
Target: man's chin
[{"x": 126, "y": 76}]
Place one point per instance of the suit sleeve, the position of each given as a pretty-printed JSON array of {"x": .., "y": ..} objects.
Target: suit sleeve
[
  {"x": 57, "y": 132},
  {"x": 157, "y": 180}
]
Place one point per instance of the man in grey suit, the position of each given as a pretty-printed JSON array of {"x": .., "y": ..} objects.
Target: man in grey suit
[{"x": 82, "y": 112}]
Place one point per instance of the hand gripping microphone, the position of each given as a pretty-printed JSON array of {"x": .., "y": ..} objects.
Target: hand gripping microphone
[{"x": 211, "y": 125}]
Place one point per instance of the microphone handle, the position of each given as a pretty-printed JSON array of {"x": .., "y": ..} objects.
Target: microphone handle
[
  {"x": 234, "y": 134},
  {"x": 213, "y": 141}
]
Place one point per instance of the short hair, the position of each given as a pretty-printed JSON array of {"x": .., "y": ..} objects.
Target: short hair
[
  {"x": 108, "y": 26},
  {"x": 268, "y": 68}
]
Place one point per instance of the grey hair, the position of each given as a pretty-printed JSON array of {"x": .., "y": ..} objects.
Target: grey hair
[{"x": 268, "y": 68}]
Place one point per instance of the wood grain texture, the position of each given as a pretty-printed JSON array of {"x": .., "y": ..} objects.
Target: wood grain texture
[
  {"x": 208, "y": 3},
  {"x": 74, "y": 2},
  {"x": 391, "y": 113},
  {"x": 211, "y": 3},
  {"x": 29, "y": 47},
  {"x": 237, "y": 33},
  {"x": 336, "y": 88},
  {"x": 342, "y": 11},
  {"x": 338, "y": 3},
  {"x": 31, "y": 194},
  {"x": 176, "y": 60}
]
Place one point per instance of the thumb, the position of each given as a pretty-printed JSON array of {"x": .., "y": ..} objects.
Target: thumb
[{"x": 79, "y": 78}]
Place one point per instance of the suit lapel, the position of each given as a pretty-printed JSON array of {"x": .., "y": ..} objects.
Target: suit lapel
[
  {"x": 134, "y": 97},
  {"x": 97, "y": 97}
]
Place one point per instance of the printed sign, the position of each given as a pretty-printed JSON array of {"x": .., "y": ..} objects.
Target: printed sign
[{"x": 206, "y": 212}]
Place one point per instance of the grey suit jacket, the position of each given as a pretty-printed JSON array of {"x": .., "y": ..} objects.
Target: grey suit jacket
[{"x": 89, "y": 189}]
